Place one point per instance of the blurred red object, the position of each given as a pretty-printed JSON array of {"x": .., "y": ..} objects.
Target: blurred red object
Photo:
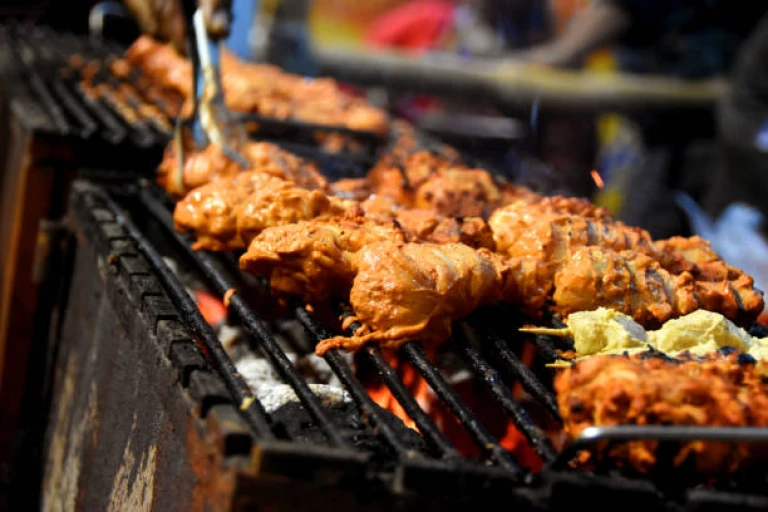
[{"x": 418, "y": 25}]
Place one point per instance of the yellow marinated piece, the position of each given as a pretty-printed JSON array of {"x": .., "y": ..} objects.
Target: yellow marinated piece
[
  {"x": 605, "y": 331},
  {"x": 701, "y": 332},
  {"x": 602, "y": 331}
]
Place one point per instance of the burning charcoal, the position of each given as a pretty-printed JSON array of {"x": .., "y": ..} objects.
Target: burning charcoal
[{"x": 257, "y": 372}]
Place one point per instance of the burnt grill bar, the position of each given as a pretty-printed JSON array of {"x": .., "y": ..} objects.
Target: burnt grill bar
[
  {"x": 217, "y": 274},
  {"x": 358, "y": 392},
  {"x": 426, "y": 426},
  {"x": 254, "y": 412},
  {"x": 517, "y": 369},
  {"x": 504, "y": 398},
  {"x": 545, "y": 347},
  {"x": 487, "y": 443}
]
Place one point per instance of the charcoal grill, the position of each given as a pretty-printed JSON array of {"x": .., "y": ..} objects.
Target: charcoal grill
[{"x": 147, "y": 408}]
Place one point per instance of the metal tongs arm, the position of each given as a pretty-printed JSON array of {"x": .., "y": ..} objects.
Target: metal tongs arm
[
  {"x": 215, "y": 119},
  {"x": 212, "y": 122}
]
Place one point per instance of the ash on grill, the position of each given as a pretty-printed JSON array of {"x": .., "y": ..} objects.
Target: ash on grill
[{"x": 279, "y": 399}]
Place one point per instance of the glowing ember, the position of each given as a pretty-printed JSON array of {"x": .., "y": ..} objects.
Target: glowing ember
[
  {"x": 597, "y": 178},
  {"x": 212, "y": 308}
]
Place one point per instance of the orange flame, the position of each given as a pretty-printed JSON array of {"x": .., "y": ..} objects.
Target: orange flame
[
  {"x": 597, "y": 178},
  {"x": 211, "y": 307}
]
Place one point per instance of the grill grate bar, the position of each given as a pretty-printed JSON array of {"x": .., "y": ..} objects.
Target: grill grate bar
[
  {"x": 116, "y": 132},
  {"x": 517, "y": 369},
  {"x": 125, "y": 98},
  {"x": 358, "y": 392},
  {"x": 503, "y": 397},
  {"x": 426, "y": 425},
  {"x": 89, "y": 126},
  {"x": 24, "y": 55},
  {"x": 216, "y": 272},
  {"x": 480, "y": 434},
  {"x": 254, "y": 412},
  {"x": 545, "y": 347},
  {"x": 432, "y": 434}
]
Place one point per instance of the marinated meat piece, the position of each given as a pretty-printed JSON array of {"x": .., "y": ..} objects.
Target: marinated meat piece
[
  {"x": 625, "y": 281},
  {"x": 430, "y": 227},
  {"x": 637, "y": 285},
  {"x": 694, "y": 249},
  {"x": 211, "y": 210},
  {"x": 270, "y": 207},
  {"x": 201, "y": 167},
  {"x": 459, "y": 193},
  {"x": 263, "y": 155},
  {"x": 547, "y": 232},
  {"x": 228, "y": 213},
  {"x": 313, "y": 259},
  {"x": 261, "y": 89},
  {"x": 399, "y": 177},
  {"x": 640, "y": 390},
  {"x": 415, "y": 291},
  {"x": 161, "y": 62},
  {"x": 422, "y": 225}
]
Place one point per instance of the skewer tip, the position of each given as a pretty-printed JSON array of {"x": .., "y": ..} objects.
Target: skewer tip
[{"x": 545, "y": 330}]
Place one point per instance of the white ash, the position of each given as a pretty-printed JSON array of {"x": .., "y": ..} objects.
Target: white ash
[
  {"x": 257, "y": 371},
  {"x": 268, "y": 388},
  {"x": 229, "y": 336},
  {"x": 275, "y": 396}
]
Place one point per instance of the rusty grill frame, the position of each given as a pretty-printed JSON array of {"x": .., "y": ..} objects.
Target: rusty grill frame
[{"x": 155, "y": 309}]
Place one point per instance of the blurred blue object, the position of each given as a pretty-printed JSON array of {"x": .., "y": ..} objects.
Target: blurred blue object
[{"x": 243, "y": 20}]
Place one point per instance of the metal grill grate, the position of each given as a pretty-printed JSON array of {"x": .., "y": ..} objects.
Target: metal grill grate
[
  {"x": 418, "y": 469},
  {"x": 68, "y": 86},
  {"x": 33, "y": 59}
]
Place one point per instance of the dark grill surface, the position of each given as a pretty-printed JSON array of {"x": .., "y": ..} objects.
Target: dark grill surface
[
  {"x": 44, "y": 79},
  {"x": 403, "y": 466}
]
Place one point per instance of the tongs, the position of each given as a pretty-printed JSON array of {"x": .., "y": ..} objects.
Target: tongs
[{"x": 212, "y": 121}]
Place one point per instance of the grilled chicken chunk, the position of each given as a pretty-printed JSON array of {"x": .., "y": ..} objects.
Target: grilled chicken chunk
[
  {"x": 201, "y": 167},
  {"x": 650, "y": 390},
  {"x": 415, "y": 291},
  {"x": 261, "y": 89},
  {"x": 314, "y": 259}
]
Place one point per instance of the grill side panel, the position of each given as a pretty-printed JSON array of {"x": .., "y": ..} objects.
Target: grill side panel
[{"x": 123, "y": 435}]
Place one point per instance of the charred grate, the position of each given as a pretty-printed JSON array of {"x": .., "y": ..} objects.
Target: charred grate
[
  {"x": 407, "y": 468},
  {"x": 66, "y": 85}
]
